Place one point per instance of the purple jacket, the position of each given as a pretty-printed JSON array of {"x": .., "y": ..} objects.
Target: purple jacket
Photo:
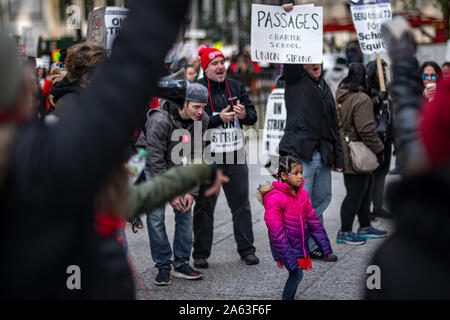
[{"x": 290, "y": 220}]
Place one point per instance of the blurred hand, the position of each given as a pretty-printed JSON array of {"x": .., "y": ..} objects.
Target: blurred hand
[
  {"x": 220, "y": 180},
  {"x": 339, "y": 170},
  {"x": 187, "y": 202},
  {"x": 288, "y": 7},
  {"x": 399, "y": 39},
  {"x": 225, "y": 115},
  {"x": 429, "y": 93},
  {"x": 177, "y": 203},
  {"x": 240, "y": 110},
  {"x": 383, "y": 96}
]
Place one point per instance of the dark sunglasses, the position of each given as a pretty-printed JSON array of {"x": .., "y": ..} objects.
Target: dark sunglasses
[{"x": 426, "y": 76}]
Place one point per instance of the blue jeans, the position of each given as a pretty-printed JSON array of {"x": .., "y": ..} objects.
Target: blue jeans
[
  {"x": 318, "y": 184},
  {"x": 159, "y": 243},
  {"x": 290, "y": 288}
]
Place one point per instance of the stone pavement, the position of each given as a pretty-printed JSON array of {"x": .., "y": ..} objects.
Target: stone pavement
[{"x": 228, "y": 278}]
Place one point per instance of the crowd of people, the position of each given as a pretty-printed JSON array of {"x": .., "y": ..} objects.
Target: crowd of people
[{"x": 66, "y": 138}]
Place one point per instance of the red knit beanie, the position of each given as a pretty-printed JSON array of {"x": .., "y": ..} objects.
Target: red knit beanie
[
  {"x": 435, "y": 126},
  {"x": 207, "y": 55}
]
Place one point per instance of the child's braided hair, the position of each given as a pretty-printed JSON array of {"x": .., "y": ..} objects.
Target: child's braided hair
[{"x": 285, "y": 165}]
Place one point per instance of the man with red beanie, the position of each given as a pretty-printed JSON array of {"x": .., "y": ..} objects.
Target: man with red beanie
[{"x": 229, "y": 107}]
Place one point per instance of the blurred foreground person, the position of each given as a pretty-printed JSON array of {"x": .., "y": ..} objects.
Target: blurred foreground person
[
  {"x": 51, "y": 174},
  {"x": 414, "y": 262}
]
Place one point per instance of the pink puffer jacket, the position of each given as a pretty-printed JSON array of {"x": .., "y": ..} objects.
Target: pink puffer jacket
[{"x": 290, "y": 220}]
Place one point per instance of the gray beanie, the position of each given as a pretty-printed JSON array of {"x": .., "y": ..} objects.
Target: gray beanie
[
  {"x": 196, "y": 92},
  {"x": 11, "y": 67}
]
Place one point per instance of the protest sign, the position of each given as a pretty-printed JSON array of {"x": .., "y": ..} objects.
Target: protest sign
[
  {"x": 104, "y": 25},
  {"x": 278, "y": 36},
  {"x": 96, "y": 31},
  {"x": 114, "y": 18},
  {"x": 274, "y": 123},
  {"x": 30, "y": 39},
  {"x": 368, "y": 16},
  {"x": 228, "y": 137}
]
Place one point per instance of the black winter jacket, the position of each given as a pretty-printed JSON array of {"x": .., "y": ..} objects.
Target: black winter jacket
[
  {"x": 61, "y": 92},
  {"x": 221, "y": 99},
  {"x": 311, "y": 123},
  {"x": 415, "y": 261},
  {"x": 46, "y": 207}
]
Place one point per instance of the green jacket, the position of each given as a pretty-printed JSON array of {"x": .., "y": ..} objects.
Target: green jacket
[{"x": 154, "y": 193}]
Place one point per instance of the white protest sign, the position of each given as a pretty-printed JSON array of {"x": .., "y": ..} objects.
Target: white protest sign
[
  {"x": 227, "y": 137},
  {"x": 104, "y": 25},
  {"x": 368, "y": 16},
  {"x": 274, "y": 123},
  {"x": 30, "y": 39},
  {"x": 278, "y": 36},
  {"x": 114, "y": 18}
]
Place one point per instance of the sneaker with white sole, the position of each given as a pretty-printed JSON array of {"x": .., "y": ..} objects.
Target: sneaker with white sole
[
  {"x": 349, "y": 237},
  {"x": 186, "y": 272},
  {"x": 163, "y": 277}
]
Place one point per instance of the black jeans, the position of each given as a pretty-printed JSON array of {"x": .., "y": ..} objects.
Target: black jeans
[
  {"x": 357, "y": 201},
  {"x": 379, "y": 176},
  {"x": 236, "y": 192}
]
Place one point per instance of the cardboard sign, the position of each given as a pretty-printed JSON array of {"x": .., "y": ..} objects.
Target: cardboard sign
[
  {"x": 278, "y": 36},
  {"x": 274, "y": 123},
  {"x": 104, "y": 25},
  {"x": 368, "y": 16}
]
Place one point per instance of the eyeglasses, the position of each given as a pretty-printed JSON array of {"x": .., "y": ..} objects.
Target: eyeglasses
[{"x": 426, "y": 76}]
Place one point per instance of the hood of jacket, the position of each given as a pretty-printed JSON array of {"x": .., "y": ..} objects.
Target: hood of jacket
[
  {"x": 342, "y": 94},
  {"x": 278, "y": 185},
  {"x": 63, "y": 87}
]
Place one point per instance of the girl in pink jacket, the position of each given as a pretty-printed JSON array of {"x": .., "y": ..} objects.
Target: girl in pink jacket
[{"x": 290, "y": 220}]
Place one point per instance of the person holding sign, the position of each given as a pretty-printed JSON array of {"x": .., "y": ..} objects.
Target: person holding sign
[
  {"x": 229, "y": 107},
  {"x": 312, "y": 134}
]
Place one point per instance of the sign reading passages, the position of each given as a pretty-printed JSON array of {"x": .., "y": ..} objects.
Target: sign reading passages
[
  {"x": 287, "y": 37},
  {"x": 275, "y": 122},
  {"x": 368, "y": 16}
]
